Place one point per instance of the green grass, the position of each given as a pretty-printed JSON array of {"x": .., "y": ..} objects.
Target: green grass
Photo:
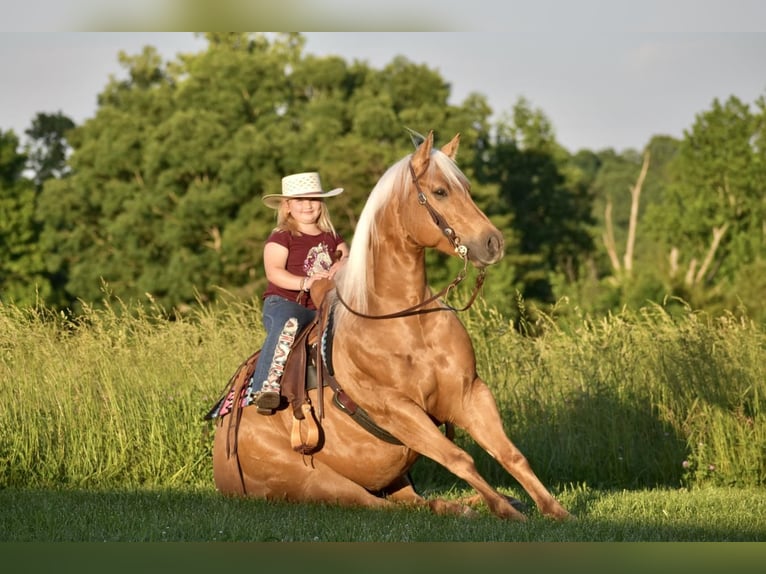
[
  {"x": 647, "y": 426},
  {"x": 194, "y": 515}
]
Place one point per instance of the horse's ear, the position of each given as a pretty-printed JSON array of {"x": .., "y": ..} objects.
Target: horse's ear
[
  {"x": 422, "y": 155},
  {"x": 451, "y": 148}
]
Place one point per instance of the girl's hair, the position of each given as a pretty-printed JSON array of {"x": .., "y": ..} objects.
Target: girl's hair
[{"x": 285, "y": 221}]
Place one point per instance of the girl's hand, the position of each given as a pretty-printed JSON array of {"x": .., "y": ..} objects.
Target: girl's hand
[
  {"x": 336, "y": 267},
  {"x": 315, "y": 276}
]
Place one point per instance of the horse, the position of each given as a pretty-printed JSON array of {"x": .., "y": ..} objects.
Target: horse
[{"x": 402, "y": 355}]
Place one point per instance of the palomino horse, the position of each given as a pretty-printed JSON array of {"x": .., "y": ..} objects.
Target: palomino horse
[{"x": 401, "y": 355}]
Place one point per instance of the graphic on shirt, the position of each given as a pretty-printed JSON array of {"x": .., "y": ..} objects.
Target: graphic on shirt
[{"x": 318, "y": 259}]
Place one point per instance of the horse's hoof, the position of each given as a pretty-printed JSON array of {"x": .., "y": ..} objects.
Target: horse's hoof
[{"x": 518, "y": 504}]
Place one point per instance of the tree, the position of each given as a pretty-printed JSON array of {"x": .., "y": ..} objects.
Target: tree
[
  {"x": 22, "y": 273},
  {"x": 711, "y": 223},
  {"x": 626, "y": 264},
  {"x": 627, "y": 267},
  {"x": 550, "y": 204},
  {"x": 164, "y": 191},
  {"x": 47, "y": 149}
]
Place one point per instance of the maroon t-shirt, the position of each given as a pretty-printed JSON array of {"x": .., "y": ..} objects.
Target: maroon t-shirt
[{"x": 305, "y": 255}]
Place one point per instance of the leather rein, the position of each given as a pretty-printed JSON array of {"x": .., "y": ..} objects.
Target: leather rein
[{"x": 460, "y": 249}]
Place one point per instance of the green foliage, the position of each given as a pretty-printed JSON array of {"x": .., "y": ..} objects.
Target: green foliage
[
  {"x": 22, "y": 273},
  {"x": 102, "y": 413},
  {"x": 114, "y": 396},
  {"x": 717, "y": 184},
  {"x": 585, "y": 397},
  {"x": 164, "y": 192},
  {"x": 690, "y": 194},
  {"x": 100, "y": 387},
  {"x": 48, "y": 147},
  {"x": 550, "y": 205},
  {"x": 160, "y": 194}
]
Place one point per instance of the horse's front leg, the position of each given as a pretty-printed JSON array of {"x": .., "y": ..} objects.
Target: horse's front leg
[
  {"x": 411, "y": 425},
  {"x": 481, "y": 420}
]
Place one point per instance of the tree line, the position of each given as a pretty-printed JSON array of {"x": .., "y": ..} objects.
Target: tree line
[{"x": 158, "y": 194}]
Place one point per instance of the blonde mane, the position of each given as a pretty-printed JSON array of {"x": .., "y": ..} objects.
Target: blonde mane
[{"x": 352, "y": 281}]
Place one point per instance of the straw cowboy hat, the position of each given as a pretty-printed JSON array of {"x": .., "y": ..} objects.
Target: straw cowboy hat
[{"x": 299, "y": 186}]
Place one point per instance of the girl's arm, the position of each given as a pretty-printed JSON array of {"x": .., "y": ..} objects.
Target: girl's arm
[{"x": 275, "y": 263}]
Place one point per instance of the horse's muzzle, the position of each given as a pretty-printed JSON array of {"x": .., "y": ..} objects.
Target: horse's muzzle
[{"x": 487, "y": 251}]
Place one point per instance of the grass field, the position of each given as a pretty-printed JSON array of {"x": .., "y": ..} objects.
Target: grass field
[
  {"x": 201, "y": 515},
  {"x": 649, "y": 427}
]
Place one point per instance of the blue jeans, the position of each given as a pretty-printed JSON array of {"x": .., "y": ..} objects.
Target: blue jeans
[{"x": 276, "y": 311}]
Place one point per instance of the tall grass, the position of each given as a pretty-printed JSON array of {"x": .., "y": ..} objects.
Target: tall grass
[
  {"x": 114, "y": 398},
  {"x": 632, "y": 400}
]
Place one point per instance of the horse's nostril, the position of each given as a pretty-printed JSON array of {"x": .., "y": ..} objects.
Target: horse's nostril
[{"x": 494, "y": 245}]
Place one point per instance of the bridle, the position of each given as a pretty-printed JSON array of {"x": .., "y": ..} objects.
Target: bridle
[{"x": 460, "y": 249}]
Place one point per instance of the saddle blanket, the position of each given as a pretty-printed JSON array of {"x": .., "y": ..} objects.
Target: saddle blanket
[
  {"x": 247, "y": 394},
  {"x": 226, "y": 403}
]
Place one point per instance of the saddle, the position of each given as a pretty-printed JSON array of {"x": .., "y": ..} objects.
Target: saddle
[
  {"x": 305, "y": 369},
  {"x": 309, "y": 366}
]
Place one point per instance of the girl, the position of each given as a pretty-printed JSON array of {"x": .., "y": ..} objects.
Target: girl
[{"x": 300, "y": 250}]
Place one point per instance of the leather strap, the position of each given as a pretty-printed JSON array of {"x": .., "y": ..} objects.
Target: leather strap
[{"x": 299, "y": 444}]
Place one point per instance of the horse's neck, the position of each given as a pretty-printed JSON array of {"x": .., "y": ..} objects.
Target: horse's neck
[{"x": 399, "y": 278}]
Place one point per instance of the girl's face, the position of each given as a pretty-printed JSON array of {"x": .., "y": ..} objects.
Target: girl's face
[{"x": 305, "y": 210}]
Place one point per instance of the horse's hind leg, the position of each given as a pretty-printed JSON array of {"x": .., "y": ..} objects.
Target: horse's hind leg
[
  {"x": 476, "y": 499},
  {"x": 298, "y": 478},
  {"x": 265, "y": 466},
  {"x": 403, "y": 491}
]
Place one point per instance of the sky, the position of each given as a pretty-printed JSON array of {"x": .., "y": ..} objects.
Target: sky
[{"x": 604, "y": 78}]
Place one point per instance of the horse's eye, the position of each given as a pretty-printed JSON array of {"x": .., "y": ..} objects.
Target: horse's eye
[{"x": 440, "y": 192}]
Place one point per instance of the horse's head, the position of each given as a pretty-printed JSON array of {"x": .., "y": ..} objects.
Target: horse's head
[
  {"x": 422, "y": 201},
  {"x": 438, "y": 210}
]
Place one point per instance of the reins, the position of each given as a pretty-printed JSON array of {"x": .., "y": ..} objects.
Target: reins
[{"x": 460, "y": 249}]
